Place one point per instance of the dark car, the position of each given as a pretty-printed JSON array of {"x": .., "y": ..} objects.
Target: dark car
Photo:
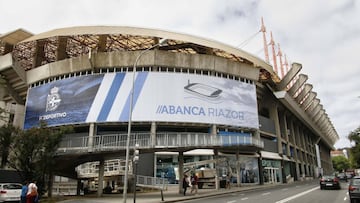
[
  {"x": 354, "y": 189},
  {"x": 329, "y": 181},
  {"x": 342, "y": 176}
]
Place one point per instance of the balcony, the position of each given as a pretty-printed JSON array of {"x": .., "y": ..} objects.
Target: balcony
[{"x": 172, "y": 141}]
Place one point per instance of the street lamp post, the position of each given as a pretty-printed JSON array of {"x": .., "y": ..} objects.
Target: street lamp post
[
  {"x": 161, "y": 42},
  {"x": 135, "y": 161}
]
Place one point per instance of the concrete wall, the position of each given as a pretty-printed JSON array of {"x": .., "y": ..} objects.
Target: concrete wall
[{"x": 150, "y": 58}]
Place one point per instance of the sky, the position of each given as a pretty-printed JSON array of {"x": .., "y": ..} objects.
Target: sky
[{"x": 322, "y": 35}]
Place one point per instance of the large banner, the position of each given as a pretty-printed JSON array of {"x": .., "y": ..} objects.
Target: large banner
[{"x": 169, "y": 97}]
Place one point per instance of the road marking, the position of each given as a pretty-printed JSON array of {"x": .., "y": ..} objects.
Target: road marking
[
  {"x": 266, "y": 193},
  {"x": 245, "y": 198},
  {"x": 231, "y": 201},
  {"x": 285, "y": 189},
  {"x": 296, "y": 196}
]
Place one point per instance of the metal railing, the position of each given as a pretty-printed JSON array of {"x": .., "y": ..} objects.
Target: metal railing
[
  {"x": 112, "y": 167},
  {"x": 153, "y": 182},
  {"x": 162, "y": 140}
]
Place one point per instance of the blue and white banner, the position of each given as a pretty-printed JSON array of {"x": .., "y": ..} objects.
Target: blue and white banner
[{"x": 169, "y": 97}]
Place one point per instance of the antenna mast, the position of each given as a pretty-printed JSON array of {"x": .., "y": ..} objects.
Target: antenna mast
[
  {"x": 272, "y": 43},
  {"x": 281, "y": 63},
  {"x": 263, "y": 30}
]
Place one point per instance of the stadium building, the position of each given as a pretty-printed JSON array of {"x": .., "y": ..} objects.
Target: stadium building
[{"x": 186, "y": 101}]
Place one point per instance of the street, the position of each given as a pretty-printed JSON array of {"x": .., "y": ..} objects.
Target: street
[{"x": 296, "y": 193}]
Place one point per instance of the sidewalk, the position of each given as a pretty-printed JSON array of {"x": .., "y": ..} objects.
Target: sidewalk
[{"x": 170, "y": 195}]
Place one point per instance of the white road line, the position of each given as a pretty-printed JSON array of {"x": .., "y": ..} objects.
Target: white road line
[
  {"x": 231, "y": 201},
  {"x": 296, "y": 196},
  {"x": 285, "y": 189},
  {"x": 245, "y": 198},
  {"x": 266, "y": 193}
]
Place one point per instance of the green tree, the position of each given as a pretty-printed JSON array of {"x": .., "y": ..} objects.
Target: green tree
[
  {"x": 354, "y": 138},
  {"x": 7, "y": 135},
  {"x": 340, "y": 163},
  {"x": 34, "y": 151}
]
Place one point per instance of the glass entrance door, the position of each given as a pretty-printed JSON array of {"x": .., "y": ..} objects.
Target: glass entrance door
[{"x": 271, "y": 175}]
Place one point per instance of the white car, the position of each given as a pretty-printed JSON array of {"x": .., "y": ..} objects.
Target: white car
[{"x": 10, "y": 192}]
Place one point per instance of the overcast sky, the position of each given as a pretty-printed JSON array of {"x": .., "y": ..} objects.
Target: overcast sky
[{"x": 322, "y": 35}]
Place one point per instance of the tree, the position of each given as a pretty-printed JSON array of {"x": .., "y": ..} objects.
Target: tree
[
  {"x": 340, "y": 163},
  {"x": 7, "y": 134},
  {"x": 33, "y": 153},
  {"x": 354, "y": 137}
]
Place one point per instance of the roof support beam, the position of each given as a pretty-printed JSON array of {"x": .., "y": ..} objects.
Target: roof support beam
[
  {"x": 291, "y": 104},
  {"x": 295, "y": 69},
  {"x": 307, "y": 88},
  {"x": 308, "y": 100},
  {"x": 319, "y": 114},
  {"x": 298, "y": 84},
  {"x": 312, "y": 106},
  {"x": 61, "y": 48},
  {"x": 39, "y": 55},
  {"x": 102, "y": 43}
]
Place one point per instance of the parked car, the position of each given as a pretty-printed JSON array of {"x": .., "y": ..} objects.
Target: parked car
[
  {"x": 329, "y": 181},
  {"x": 342, "y": 176},
  {"x": 10, "y": 192},
  {"x": 349, "y": 175},
  {"x": 354, "y": 189}
]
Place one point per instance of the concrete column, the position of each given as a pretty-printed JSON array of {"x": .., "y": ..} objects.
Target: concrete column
[
  {"x": 294, "y": 139},
  {"x": 101, "y": 178},
  {"x": 181, "y": 171},
  {"x": 274, "y": 115},
  {"x": 19, "y": 116},
  {"x": 153, "y": 134},
  {"x": 213, "y": 131},
  {"x": 257, "y": 135},
  {"x": 91, "y": 136},
  {"x": 78, "y": 187},
  {"x": 284, "y": 131},
  {"x": 297, "y": 170},
  {"x": 303, "y": 170},
  {"x": 217, "y": 183},
  {"x": 237, "y": 170},
  {"x": 261, "y": 173}
]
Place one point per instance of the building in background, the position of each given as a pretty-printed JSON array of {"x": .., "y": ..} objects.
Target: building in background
[{"x": 194, "y": 100}]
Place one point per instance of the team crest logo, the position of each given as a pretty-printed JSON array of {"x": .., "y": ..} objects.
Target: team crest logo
[{"x": 53, "y": 99}]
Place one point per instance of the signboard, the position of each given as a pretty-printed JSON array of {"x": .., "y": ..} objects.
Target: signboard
[{"x": 158, "y": 96}]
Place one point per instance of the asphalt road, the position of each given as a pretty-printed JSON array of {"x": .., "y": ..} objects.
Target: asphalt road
[{"x": 299, "y": 193}]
